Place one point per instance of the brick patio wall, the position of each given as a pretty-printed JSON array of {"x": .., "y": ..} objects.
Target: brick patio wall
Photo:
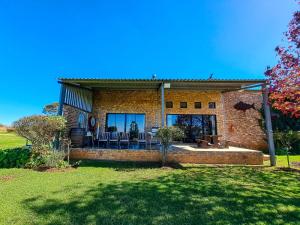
[
  {"x": 241, "y": 128},
  {"x": 197, "y": 157}
]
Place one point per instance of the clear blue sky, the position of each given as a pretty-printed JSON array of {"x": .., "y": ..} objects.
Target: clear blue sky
[{"x": 43, "y": 40}]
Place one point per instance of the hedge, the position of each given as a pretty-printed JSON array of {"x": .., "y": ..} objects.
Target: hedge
[{"x": 14, "y": 158}]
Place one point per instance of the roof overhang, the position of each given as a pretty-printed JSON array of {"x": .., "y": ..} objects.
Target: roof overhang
[{"x": 144, "y": 84}]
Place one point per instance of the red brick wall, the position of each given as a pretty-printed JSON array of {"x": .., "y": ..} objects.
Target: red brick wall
[
  {"x": 201, "y": 157},
  {"x": 242, "y": 128}
]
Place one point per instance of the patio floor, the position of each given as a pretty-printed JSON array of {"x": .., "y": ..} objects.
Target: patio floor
[{"x": 192, "y": 147}]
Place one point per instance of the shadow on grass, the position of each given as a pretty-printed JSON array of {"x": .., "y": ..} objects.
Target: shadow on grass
[
  {"x": 202, "y": 196},
  {"x": 121, "y": 166}
]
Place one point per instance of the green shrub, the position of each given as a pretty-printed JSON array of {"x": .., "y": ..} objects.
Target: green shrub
[
  {"x": 41, "y": 131},
  {"x": 55, "y": 159},
  {"x": 35, "y": 161},
  {"x": 280, "y": 151},
  {"x": 11, "y": 158}
]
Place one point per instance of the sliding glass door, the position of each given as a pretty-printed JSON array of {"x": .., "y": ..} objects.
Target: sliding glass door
[
  {"x": 194, "y": 126},
  {"x": 125, "y": 122}
]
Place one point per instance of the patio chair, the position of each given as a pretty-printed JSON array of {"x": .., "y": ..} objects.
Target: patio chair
[
  {"x": 103, "y": 137},
  {"x": 202, "y": 143},
  {"x": 114, "y": 138},
  {"x": 142, "y": 139},
  {"x": 124, "y": 138}
]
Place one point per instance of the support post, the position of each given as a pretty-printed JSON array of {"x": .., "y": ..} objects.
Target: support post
[
  {"x": 60, "y": 110},
  {"x": 162, "y": 89},
  {"x": 61, "y": 99},
  {"x": 268, "y": 123}
]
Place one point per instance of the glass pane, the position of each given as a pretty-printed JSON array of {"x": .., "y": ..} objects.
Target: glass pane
[
  {"x": 183, "y": 104},
  {"x": 120, "y": 122},
  {"x": 111, "y": 122},
  {"x": 184, "y": 120},
  {"x": 197, "y": 128},
  {"x": 140, "y": 120},
  {"x": 184, "y": 123},
  {"x": 172, "y": 120},
  {"x": 213, "y": 125},
  {"x": 130, "y": 121},
  {"x": 207, "y": 125}
]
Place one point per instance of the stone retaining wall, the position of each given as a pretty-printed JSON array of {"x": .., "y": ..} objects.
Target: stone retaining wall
[{"x": 198, "y": 157}]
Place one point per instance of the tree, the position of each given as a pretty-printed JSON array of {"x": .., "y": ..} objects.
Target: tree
[
  {"x": 51, "y": 109},
  {"x": 166, "y": 135},
  {"x": 284, "y": 78}
]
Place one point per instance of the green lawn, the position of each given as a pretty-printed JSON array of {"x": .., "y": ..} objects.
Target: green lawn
[
  {"x": 111, "y": 193},
  {"x": 123, "y": 193},
  {"x": 282, "y": 161},
  {"x": 10, "y": 140}
]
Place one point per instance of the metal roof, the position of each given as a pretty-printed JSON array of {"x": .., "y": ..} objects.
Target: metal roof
[{"x": 139, "y": 84}]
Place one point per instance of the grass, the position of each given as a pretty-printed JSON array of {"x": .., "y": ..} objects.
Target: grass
[
  {"x": 113, "y": 193},
  {"x": 10, "y": 140},
  {"x": 282, "y": 160},
  {"x": 128, "y": 193}
]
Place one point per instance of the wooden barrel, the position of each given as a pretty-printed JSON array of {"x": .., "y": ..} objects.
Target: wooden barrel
[{"x": 77, "y": 137}]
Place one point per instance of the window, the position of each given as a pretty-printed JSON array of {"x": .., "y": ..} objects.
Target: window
[
  {"x": 183, "y": 105},
  {"x": 197, "y": 105},
  {"x": 169, "y": 104},
  {"x": 125, "y": 122},
  {"x": 194, "y": 126},
  {"x": 212, "y": 105},
  {"x": 81, "y": 121}
]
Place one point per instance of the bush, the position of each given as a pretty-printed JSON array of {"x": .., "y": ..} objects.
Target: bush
[
  {"x": 55, "y": 159},
  {"x": 18, "y": 157},
  {"x": 41, "y": 131}
]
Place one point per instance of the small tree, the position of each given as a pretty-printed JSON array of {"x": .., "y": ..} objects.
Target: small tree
[
  {"x": 287, "y": 139},
  {"x": 40, "y": 131},
  {"x": 166, "y": 135},
  {"x": 51, "y": 109}
]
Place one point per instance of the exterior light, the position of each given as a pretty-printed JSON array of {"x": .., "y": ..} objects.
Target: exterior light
[{"x": 167, "y": 85}]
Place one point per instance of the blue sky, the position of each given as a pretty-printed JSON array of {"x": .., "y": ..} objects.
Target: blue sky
[{"x": 43, "y": 40}]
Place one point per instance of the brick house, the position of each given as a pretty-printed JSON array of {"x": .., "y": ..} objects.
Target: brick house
[{"x": 198, "y": 106}]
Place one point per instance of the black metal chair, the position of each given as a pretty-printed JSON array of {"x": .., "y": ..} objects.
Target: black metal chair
[
  {"x": 114, "y": 138},
  {"x": 124, "y": 138},
  {"x": 142, "y": 139},
  {"x": 103, "y": 137}
]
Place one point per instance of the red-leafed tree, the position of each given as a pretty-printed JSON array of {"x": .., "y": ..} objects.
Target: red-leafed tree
[{"x": 284, "y": 78}]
